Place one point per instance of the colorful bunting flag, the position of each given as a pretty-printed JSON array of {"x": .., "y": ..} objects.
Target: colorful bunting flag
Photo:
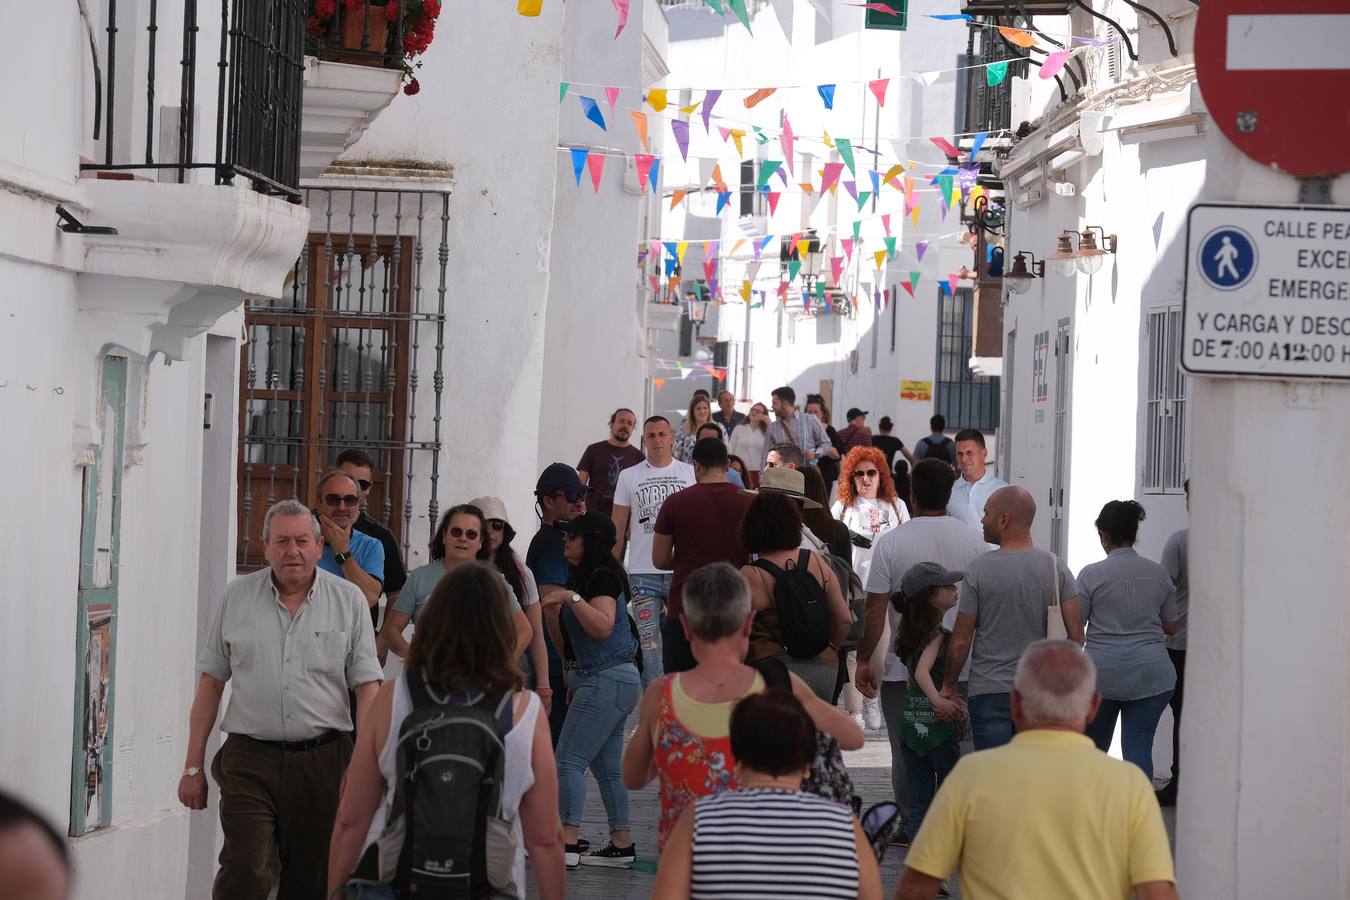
[
  {"x": 1053, "y": 62},
  {"x": 794, "y": 266},
  {"x": 579, "y": 155},
  {"x": 890, "y": 246},
  {"x": 656, "y": 98},
  {"x": 910, "y": 285},
  {"x": 994, "y": 73},
  {"x": 676, "y": 197},
  {"x": 976, "y": 145},
  {"x": 680, "y": 128},
  {"x": 952, "y": 17},
  {"x": 826, "y": 92},
  {"x": 658, "y": 383},
  {"x": 847, "y": 244},
  {"x": 595, "y": 164},
  {"x": 709, "y": 100},
  {"x": 845, "y": 148},
  {"x": 837, "y": 268},
  {"x": 785, "y": 141},
  {"x": 863, "y": 197},
  {"x": 591, "y": 109},
  {"x": 723, "y": 198},
  {"x": 857, "y": 229},
  {"x": 680, "y": 249},
  {"x": 880, "y": 257},
  {"x": 757, "y": 97},
  {"x": 760, "y": 137},
  {"x": 745, "y": 291},
  {"x": 647, "y": 169},
  {"x": 829, "y": 141},
  {"x": 886, "y": 222},
  {"x": 920, "y": 248},
  {"x": 738, "y": 7},
  {"x": 852, "y": 188},
  {"x": 914, "y": 215},
  {"x": 879, "y": 87},
  {"x": 716, "y": 178},
  {"x": 562, "y": 91},
  {"x": 611, "y": 97},
  {"x": 891, "y": 174},
  {"x": 766, "y": 170},
  {"x": 736, "y": 135},
  {"x": 1017, "y": 36},
  {"x": 691, "y": 108},
  {"x": 830, "y": 175},
  {"x": 946, "y": 147},
  {"x": 640, "y": 125},
  {"x": 876, "y": 180}
]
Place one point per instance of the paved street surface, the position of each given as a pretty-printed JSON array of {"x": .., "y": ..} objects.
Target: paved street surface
[{"x": 869, "y": 768}]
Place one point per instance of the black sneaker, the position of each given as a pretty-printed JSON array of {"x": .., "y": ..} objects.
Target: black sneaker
[
  {"x": 901, "y": 837},
  {"x": 609, "y": 855},
  {"x": 572, "y": 855}
]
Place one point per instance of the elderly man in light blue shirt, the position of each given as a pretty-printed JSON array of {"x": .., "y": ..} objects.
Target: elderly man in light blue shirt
[{"x": 976, "y": 484}]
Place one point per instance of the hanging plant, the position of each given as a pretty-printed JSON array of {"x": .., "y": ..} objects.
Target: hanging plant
[{"x": 360, "y": 30}]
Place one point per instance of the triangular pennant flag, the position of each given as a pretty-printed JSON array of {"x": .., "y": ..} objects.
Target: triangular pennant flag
[
  {"x": 952, "y": 281},
  {"x": 914, "y": 279},
  {"x": 915, "y": 215},
  {"x": 705, "y": 170},
  {"x": 773, "y": 201},
  {"x": 621, "y": 7},
  {"x": 847, "y": 244},
  {"x": 591, "y": 109},
  {"x": 640, "y": 125},
  {"x": 852, "y": 188},
  {"x": 829, "y": 141},
  {"x": 857, "y": 230},
  {"x": 672, "y": 248},
  {"x": 826, "y": 92},
  {"x": 785, "y": 140},
  {"x": 976, "y": 145},
  {"x": 1053, "y": 62},
  {"x": 946, "y": 147},
  {"x": 757, "y": 97},
  {"x": 766, "y": 170},
  {"x": 830, "y": 175},
  {"x": 685, "y": 371},
  {"x": 643, "y": 161},
  {"x": 655, "y": 283},
  {"x": 654, "y": 176},
  {"x": 676, "y": 197},
  {"x": 611, "y": 97},
  {"x": 709, "y": 269},
  {"x": 876, "y": 180},
  {"x": 920, "y": 249},
  {"x": 745, "y": 291},
  {"x": 782, "y": 292},
  {"x": 562, "y": 91},
  {"x": 658, "y": 383},
  {"x": 836, "y": 268},
  {"x": 880, "y": 257},
  {"x": 738, "y": 7},
  {"x": 716, "y": 6},
  {"x": 909, "y": 285},
  {"x": 807, "y": 187},
  {"x": 1017, "y": 36},
  {"x": 723, "y": 198},
  {"x": 709, "y": 99},
  {"x": 845, "y": 148},
  {"x": 680, "y": 128},
  {"x": 752, "y": 270},
  {"x": 886, "y": 222},
  {"x": 794, "y": 266},
  {"x": 724, "y": 132},
  {"x": 656, "y": 98},
  {"x": 736, "y": 246},
  {"x": 595, "y": 164},
  {"x": 760, "y": 137},
  {"x": 803, "y": 248},
  {"x": 890, "y": 246},
  {"x": 579, "y": 155},
  {"x": 863, "y": 197},
  {"x": 671, "y": 263},
  {"x": 879, "y": 89},
  {"x": 681, "y": 249},
  {"x": 736, "y": 135},
  {"x": 691, "y": 108},
  {"x": 759, "y": 248},
  {"x": 994, "y": 73},
  {"x": 820, "y": 293},
  {"x": 891, "y": 175},
  {"x": 717, "y": 179}
]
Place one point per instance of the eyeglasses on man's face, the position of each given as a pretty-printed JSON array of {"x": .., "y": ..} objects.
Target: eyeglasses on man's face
[
  {"x": 572, "y": 496},
  {"x": 341, "y": 499},
  {"x": 469, "y": 533}
]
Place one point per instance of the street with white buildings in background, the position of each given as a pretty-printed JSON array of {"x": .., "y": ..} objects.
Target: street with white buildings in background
[{"x": 382, "y": 257}]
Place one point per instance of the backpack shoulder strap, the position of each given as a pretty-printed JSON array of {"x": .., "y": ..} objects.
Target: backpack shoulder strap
[
  {"x": 417, "y": 688},
  {"x": 762, "y": 563},
  {"x": 804, "y": 560},
  {"x": 775, "y": 673}
]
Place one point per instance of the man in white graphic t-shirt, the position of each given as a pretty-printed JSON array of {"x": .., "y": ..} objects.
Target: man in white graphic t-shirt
[
  {"x": 637, "y": 499},
  {"x": 931, "y": 536}
]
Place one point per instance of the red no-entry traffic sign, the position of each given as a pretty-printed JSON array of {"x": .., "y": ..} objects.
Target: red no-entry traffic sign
[{"x": 1275, "y": 75}]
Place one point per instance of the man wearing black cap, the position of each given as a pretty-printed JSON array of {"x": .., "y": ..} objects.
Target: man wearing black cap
[
  {"x": 890, "y": 445},
  {"x": 856, "y": 434},
  {"x": 560, "y": 495}
]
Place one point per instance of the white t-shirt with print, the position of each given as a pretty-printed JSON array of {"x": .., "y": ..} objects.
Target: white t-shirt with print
[
  {"x": 871, "y": 519},
  {"x": 643, "y": 488}
]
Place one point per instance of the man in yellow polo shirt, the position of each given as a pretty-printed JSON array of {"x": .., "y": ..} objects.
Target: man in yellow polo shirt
[{"x": 1048, "y": 815}]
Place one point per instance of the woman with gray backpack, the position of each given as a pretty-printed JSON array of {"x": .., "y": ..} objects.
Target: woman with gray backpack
[{"x": 453, "y": 776}]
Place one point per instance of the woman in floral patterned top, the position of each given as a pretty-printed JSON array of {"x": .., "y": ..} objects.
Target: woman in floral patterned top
[
  {"x": 684, "y": 730},
  {"x": 700, "y": 414}
]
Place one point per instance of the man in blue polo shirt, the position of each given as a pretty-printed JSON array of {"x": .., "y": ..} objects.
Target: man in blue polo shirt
[{"x": 347, "y": 553}]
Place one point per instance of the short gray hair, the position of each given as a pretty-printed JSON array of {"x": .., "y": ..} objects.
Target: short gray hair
[
  {"x": 1055, "y": 682},
  {"x": 716, "y": 601},
  {"x": 291, "y": 507}
]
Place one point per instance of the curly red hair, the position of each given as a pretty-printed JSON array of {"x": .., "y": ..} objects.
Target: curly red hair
[{"x": 885, "y": 490}]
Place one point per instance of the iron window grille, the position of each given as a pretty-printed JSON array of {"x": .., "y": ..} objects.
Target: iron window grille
[
  {"x": 966, "y": 400},
  {"x": 258, "y": 88},
  {"x": 341, "y": 360},
  {"x": 1165, "y": 451}
]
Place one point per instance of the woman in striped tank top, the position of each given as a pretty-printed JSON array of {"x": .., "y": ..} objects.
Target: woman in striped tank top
[
  {"x": 768, "y": 839},
  {"x": 683, "y": 736}
]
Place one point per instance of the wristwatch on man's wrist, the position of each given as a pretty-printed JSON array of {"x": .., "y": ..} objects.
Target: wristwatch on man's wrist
[
  {"x": 341, "y": 558},
  {"x": 193, "y": 771}
]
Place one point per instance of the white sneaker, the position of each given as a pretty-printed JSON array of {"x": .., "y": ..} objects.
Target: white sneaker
[
  {"x": 872, "y": 713},
  {"x": 857, "y": 717}
]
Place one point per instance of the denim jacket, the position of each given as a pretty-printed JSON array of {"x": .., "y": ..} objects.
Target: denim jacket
[{"x": 597, "y": 654}]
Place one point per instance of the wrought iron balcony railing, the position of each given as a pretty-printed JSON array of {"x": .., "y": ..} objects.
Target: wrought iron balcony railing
[{"x": 258, "y": 91}]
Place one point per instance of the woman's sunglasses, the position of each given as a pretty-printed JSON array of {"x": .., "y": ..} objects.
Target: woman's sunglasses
[
  {"x": 470, "y": 533},
  {"x": 496, "y": 524},
  {"x": 866, "y": 473}
]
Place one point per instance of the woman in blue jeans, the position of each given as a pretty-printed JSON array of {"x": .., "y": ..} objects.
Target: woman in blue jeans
[
  {"x": 1129, "y": 605},
  {"x": 604, "y": 685}
]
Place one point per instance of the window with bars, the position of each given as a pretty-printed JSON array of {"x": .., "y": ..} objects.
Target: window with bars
[
  {"x": 963, "y": 398},
  {"x": 752, "y": 202},
  {"x": 335, "y": 362},
  {"x": 1165, "y": 449}
]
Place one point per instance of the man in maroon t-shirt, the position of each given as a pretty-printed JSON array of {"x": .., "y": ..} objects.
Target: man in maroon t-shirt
[
  {"x": 603, "y": 461},
  {"x": 696, "y": 526}
]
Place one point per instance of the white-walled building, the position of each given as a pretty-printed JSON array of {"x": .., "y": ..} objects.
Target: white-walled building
[
  {"x": 860, "y": 357},
  {"x": 1097, "y": 407}
]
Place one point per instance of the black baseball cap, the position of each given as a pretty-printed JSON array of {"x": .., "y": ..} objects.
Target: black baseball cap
[
  {"x": 853, "y": 413},
  {"x": 559, "y": 477},
  {"x": 591, "y": 526}
]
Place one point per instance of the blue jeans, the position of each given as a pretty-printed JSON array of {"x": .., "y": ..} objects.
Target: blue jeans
[
  {"x": 925, "y": 774},
  {"x": 649, "y": 594},
  {"x": 558, "y": 711},
  {"x": 592, "y": 738},
  {"x": 1139, "y": 722},
  {"x": 990, "y": 720}
]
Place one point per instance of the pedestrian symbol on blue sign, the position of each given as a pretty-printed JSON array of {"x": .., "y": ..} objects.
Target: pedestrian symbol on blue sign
[{"x": 1227, "y": 258}]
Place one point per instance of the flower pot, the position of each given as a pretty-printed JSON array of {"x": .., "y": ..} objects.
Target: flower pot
[{"x": 355, "y": 26}]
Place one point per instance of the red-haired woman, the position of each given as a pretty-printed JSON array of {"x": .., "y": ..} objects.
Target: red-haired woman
[{"x": 868, "y": 505}]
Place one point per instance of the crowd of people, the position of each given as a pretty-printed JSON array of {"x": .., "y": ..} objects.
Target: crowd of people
[{"x": 759, "y": 626}]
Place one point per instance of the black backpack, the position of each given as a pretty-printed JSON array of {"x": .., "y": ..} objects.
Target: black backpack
[
  {"x": 944, "y": 450},
  {"x": 445, "y": 826},
  {"x": 803, "y": 610}
]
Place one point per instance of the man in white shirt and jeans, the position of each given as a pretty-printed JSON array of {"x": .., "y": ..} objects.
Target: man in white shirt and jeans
[
  {"x": 931, "y": 536},
  {"x": 638, "y": 496},
  {"x": 976, "y": 484}
]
